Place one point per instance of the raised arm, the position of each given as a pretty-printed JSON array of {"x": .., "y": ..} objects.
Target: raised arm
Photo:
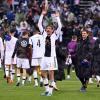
[
  {"x": 40, "y": 23},
  {"x": 46, "y": 5},
  {"x": 59, "y": 22},
  {"x": 58, "y": 31},
  {"x": 40, "y": 26}
]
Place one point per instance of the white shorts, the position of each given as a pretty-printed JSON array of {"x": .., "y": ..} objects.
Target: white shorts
[
  {"x": 49, "y": 63},
  {"x": 36, "y": 61},
  {"x": 23, "y": 63},
  {"x": 8, "y": 61},
  {"x": 8, "y": 58}
]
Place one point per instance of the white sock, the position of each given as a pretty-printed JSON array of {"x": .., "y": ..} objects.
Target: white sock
[
  {"x": 46, "y": 85},
  {"x": 18, "y": 78},
  {"x": 29, "y": 78},
  {"x": 51, "y": 87},
  {"x": 23, "y": 80},
  {"x": 41, "y": 79},
  {"x": 35, "y": 74},
  {"x": 7, "y": 72},
  {"x": 12, "y": 74},
  {"x": 36, "y": 81},
  {"x": 54, "y": 84},
  {"x": 35, "y": 77}
]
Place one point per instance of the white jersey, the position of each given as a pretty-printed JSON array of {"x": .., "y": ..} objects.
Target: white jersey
[
  {"x": 37, "y": 42},
  {"x": 49, "y": 61},
  {"x": 10, "y": 46},
  {"x": 53, "y": 37}
]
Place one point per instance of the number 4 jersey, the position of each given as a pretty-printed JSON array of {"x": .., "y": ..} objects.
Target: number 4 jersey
[{"x": 37, "y": 43}]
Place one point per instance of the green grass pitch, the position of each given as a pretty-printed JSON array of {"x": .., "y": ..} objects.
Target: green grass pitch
[{"x": 69, "y": 90}]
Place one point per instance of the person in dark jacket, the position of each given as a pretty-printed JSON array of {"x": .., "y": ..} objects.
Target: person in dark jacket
[
  {"x": 61, "y": 58},
  {"x": 92, "y": 40},
  {"x": 96, "y": 60},
  {"x": 84, "y": 58}
]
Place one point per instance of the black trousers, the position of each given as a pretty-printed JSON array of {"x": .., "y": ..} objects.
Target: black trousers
[{"x": 84, "y": 81}]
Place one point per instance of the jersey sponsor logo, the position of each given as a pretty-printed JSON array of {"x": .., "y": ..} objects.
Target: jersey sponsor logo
[{"x": 24, "y": 43}]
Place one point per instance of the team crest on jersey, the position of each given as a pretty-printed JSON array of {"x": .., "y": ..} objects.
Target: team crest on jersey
[{"x": 24, "y": 43}]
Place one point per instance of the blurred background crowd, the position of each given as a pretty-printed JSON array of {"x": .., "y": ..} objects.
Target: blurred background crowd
[{"x": 21, "y": 15}]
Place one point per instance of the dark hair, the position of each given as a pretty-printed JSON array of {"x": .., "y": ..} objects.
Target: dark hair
[
  {"x": 25, "y": 33},
  {"x": 12, "y": 30},
  {"x": 84, "y": 30},
  {"x": 74, "y": 37}
]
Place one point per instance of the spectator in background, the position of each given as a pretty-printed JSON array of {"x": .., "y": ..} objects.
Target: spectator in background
[
  {"x": 24, "y": 25},
  {"x": 15, "y": 4},
  {"x": 10, "y": 16},
  {"x": 29, "y": 18},
  {"x": 10, "y": 4},
  {"x": 89, "y": 22},
  {"x": 71, "y": 51},
  {"x": 19, "y": 16},
  {"x": 36, "y": 18},
  {"x": 95, "y": 30}
]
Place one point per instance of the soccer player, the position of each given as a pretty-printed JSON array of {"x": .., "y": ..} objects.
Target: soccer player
[
  {"x": 9, "y": 44},
  {"x": 36, "y": 43},
  {"x": 21, "y": 51},
  {"x": 49, "y": 61}
]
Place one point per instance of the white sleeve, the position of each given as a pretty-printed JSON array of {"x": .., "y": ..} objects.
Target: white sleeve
[
  {"x": 40, "y": 26},
  {"x": 58, "y": 31},
  {"x": 1, "y": 48},
  {"x": 30, "y": 41},
  {"x": 60, "y": 36},
  {"x": 59, "y": 24}
]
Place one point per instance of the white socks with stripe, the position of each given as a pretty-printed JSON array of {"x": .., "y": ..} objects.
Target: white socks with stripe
[
  {"x": 35, "y": 77},
  {"x": 46, "y": 84},
  {"x": 7, "y": 71}
]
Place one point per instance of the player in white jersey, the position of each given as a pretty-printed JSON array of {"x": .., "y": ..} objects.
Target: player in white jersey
[
  {"x": 9, "y": 49},
  {"x": 49, "y": 61},
  {"x": 1, "y": 51},
  {"x": 36, "y": 42}
]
